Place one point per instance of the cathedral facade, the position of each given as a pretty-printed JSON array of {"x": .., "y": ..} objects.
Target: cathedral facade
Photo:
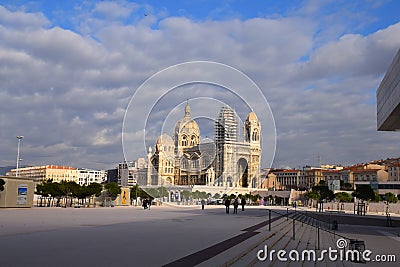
[{"x": 227, "y": 161}]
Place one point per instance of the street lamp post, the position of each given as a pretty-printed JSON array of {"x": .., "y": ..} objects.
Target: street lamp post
[
  {"x": 19, "y": 137},
  {"x": 136, "y": 194}
]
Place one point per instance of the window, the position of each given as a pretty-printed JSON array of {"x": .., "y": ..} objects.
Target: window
[
  {"x": 184, "y": 164},
  {"x": 193, "y": 141},
  {"x": 184, "y": 140},
  {"x": 255, "y": 135}
]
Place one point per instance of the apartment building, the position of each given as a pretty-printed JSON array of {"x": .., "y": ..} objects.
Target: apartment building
[
  {"x": 310, "y": 176},
  {"x": 130, "y": 172},
  {"x": 289, "y": 179},
  {"x": 46, "y": 172},
  {"x": 393, "y": 172},
  {"x": 88, "y": 176}
]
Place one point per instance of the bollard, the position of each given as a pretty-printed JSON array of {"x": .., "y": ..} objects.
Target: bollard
[
  {"x": 335, "y": 225},
  {"x": 318, "y": 235},
  {"x": 287, "y": 214},
  {"x": 294, "y": 231},
  {"x": 269, "y": 215}
]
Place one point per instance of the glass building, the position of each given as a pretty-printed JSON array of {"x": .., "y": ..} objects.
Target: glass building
[{"x": 388, "y": 98}]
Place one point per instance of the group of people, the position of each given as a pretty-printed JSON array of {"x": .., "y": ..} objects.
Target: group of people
[
  {"x": 235, "y": 204},
  {"x": 228, "y": 202},
  {"x": 146, "y": 203}
]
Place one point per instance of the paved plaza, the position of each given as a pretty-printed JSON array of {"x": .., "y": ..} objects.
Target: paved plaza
[{"x": 166, "y": 235}]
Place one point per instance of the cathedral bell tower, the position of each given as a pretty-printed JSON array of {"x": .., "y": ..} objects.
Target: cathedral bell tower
[{"x": 252, "y": 132}]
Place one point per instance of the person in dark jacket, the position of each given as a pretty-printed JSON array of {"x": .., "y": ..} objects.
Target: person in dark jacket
[
  {"x": 243, "y": 202},
  {"x": 227, "y": 204},
  {"x": 235, "y": 206}
]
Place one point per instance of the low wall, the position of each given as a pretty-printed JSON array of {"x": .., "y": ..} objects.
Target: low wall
[{"x": 379, "y": 207}]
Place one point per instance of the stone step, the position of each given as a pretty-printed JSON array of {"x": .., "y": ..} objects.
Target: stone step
[
  {"x": 270, "y": 238},
  {"x": 232, "y": 254},
  {"x": 285, "y": 242}
]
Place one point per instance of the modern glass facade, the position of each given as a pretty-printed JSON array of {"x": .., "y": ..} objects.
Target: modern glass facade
[{"x": 388, "y": 98}]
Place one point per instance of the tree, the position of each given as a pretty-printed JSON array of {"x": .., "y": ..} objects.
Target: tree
[
  {"x": 391, "y": 198},
  {"x": 135, "y": 191},
  {"x": 49, "y": 190},
  {"x": 153, "y": 192},
  {"x": 321, "y": 192},
  {"x": 196, "y": 194},
  {"x": 343, "y": 197},
  {"x": 69, "y": 189},
  {"x": 255, "y": 198},
  {"x": 55, "y": 191},
  {"x": 345, "y": 185},
  {"x": 364, "y": 192},
  {"x": 95, "y": 189},
  {"x": 81, "y": 193},
  {"x": 186, "y": 194},
  {"x": 376, "y": 198},
  {"x": 113, "y": 189},
  {"x": 217, "y": 196},
  {"x": 163, "y": 191},
  {"x": 312, "y": 195},
  {"x": 2, "y": 183},
  {"x": 203, "y": 195}
]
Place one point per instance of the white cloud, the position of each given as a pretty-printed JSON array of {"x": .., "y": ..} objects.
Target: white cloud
[
  {"x": 114, "y": 10},
  {"x": 67, "y": 92},
  {"x": 20, "y": 20}
]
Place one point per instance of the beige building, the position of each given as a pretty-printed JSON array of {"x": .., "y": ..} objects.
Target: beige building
[
  {"x": 310, "y": 176},
  {"x": 228, "y": 161},
  {"x": 370, "y": 175},
  {"x": 43, "y": 173},
  {"x": 18, "y": 192},
  {"x": 271, "y": 183},
  {"x": 365, "y": 172},
  {"x": 288, "y": 179},
  {"x": 394, "y": 172}
]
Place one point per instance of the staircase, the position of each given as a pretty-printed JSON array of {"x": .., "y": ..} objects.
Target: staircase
[{"x": 293, "y": 230}]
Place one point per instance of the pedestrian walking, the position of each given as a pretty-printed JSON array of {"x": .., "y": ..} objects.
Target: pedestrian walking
[
  {"x": 227, "y": 204},
  {"x": 149, "y": 202},
  {"x": 243, "y": 202},
  {"x": 144, "y": 204},
  {"x": 203, "y": 202},
  {"x": 235, "y": 206}
]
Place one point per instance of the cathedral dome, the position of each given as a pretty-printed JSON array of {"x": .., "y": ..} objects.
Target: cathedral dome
[
  {"x": 187, "y": 131},
  {"x": 165, "y": 139},
  {"x": 165, "y": 143},
  {"x": 186, "y": 124}
]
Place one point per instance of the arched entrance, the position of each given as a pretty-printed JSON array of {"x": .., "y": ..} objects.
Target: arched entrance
[{"x": 243, "y": 172}]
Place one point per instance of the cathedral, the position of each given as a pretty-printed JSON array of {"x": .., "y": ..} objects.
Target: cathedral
[{"x": 227, "y": 161}]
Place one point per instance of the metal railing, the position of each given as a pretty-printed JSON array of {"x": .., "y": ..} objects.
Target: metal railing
[{"x": 305, "y": 217}]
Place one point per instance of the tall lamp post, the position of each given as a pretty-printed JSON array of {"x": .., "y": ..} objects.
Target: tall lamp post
[{"x": 19, "y": 137}]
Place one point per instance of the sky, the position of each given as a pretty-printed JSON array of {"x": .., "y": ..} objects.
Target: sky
[{"x": 70, "y": 69}]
